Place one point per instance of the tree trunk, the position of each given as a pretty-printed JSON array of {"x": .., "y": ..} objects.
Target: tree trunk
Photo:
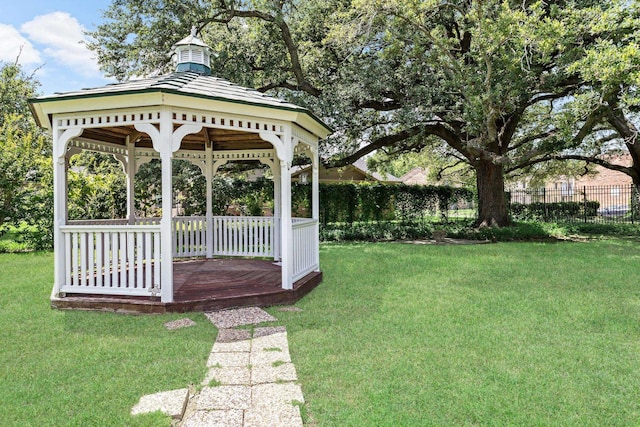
[{"x": 492, "y": 203}]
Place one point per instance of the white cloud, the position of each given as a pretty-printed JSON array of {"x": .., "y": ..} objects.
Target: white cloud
[
  {"x": 11, "y": 41},
  {"x": 62, "y": 37}
]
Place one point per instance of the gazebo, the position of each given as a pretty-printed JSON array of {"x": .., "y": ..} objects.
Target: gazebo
[{"x": 138, "y": 264}]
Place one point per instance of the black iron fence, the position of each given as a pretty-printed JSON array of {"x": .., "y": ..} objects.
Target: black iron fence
[{"x": 596, "y": 204}]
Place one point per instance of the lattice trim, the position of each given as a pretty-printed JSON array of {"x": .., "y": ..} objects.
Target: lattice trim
[
  {"x": 108, "y": 118},
  {"x": 101, "y": 147},
  {"x": 229, "y": 122}
]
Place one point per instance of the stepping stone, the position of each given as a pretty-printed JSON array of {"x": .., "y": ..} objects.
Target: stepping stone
[
  {"x": 224, "y": 360},
  {"x": 271, "y": 342},
  {"x": 243, "y": 346},
  {"x": 263, "y": 374},
  {"x": 290, "y": 308},
  {"x": 171, "y": 403},
  {"x": 270, "y": 395},
  {"x": 224, "y": 397},
  {"x": 277, "y": 416},
  {"x": 238, "y": 317},
  {"x": 180, "y": 323},
  {"x": 232, "y": 335},
  {"x": 234, "y": 375},
  {"x": 268, "y": 330},
  {"x": 228, "y": 418}
]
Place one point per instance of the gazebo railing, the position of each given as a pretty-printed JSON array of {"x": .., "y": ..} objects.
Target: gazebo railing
[
  {"x": 111, "y": 259},
  {"x": 250, "y": 236},
  {"x": 305, "y": 248},
  {"x": 114, "y": 257},
  {"x": 190, "y": 236}
]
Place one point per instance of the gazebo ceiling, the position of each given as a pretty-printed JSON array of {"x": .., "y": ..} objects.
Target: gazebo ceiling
[{"x": 222, "y": 139}]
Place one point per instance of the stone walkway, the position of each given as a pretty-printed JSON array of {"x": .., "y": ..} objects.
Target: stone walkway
[{"x": 250, "y": 381}]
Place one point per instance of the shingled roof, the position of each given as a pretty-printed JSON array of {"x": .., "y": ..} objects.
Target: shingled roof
[{"x": 189, "y": 84}]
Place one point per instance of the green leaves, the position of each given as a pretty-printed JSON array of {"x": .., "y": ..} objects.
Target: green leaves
[{"x": 495, "y": 80}]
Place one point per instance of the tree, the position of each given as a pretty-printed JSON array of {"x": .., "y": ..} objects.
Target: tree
[
  {"x": 610, "y": 69},
  {"x": 495, "y": 81},
  {"x": 97, "y": 187},
  {"x": 24, "y": 148}
]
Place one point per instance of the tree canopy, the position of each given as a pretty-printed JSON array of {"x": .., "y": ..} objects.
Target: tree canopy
[
  {"x": 24, "y": 149},
  {"x": 500, "y": 85}
]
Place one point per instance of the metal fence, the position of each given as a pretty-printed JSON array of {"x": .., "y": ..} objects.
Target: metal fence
[{"x": 595, "y": 204}]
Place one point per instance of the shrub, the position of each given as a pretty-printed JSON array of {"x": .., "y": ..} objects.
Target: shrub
[{"x": 557, "y": 210}]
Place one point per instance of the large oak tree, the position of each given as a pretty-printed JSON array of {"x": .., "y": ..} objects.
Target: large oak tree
[{"x": 500, "y": 84}]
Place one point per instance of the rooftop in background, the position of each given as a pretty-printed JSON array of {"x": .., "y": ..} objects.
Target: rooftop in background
[{"x": 356, "y": 172}]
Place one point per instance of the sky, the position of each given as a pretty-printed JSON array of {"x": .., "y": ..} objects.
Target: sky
[{"x": 50, "y": 33}]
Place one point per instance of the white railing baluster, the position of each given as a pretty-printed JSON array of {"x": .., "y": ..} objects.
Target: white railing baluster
[
  {"x": 245, "y": 236},
  {"x": 99, "y": 259},
  {"x": 192, "y": 237},
  {"x": 91, "y": 267},
  {"x": 196, "y": 236},
  {"x": 115, "y": 255},
  {"x": 83, "y": 259},
  {"x": 148, "y": 256},
  {"x": 139, "y": 259},
  {"x": 107, "y": 259},
  {"x": 74, "y": 258},
  {"x": 225, "y": 237},
  {"x": 123, "y": 258},
  {"x": 156, "y": 259},
  {"x": 68, "y": 254},
  {"x": 131, "y": 260}
]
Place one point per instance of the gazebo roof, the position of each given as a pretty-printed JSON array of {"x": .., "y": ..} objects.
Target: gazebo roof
[{"x": 188, "y": 84}]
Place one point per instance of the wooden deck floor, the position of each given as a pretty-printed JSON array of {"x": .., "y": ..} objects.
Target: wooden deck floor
[{"x": 206, "y": 285}]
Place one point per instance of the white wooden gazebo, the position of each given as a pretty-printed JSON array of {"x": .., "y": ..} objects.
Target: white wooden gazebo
[{"x": 188, "y": 115}]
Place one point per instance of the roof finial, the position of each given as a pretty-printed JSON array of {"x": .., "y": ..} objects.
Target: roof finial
[{"x": 192, "y": 54}]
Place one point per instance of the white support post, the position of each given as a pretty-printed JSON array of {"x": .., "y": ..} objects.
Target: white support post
[
  {"x": 277, "y": 201},
  {"x": 285, "y": 155},
  {"x": 131, "y": 175},
  {"x": 60, "y": 140},
  {"x": 209, "y": 214},
  {"x": 286, "y": 230},
  {"x": 166, "y": 225},
  {"x": 315, "y": 203},
  {"x": 166, "y": 141},
  {"x": 59, "y": 215}
]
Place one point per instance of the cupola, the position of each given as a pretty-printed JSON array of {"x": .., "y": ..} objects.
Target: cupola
[{"x": 193, "y": 55}]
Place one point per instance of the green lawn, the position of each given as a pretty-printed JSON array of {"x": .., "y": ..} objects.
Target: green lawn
[
  {"x": 495, "y": 335},
  {"x": 62, "y": 368},
  {"x": 396, "y": 335}
]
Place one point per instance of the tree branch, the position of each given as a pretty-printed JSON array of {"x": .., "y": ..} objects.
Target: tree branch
[
  {"x": 531, "y": 138},
  {"x": 437, "y": 129},
  {"x": 442, "y": 169},
  {"x": 228, "y": 13},
  {"x": 385, "y": 105},
  {"x": 588, "y": 159}
]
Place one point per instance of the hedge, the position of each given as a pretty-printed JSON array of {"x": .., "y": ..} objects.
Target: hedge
[
  {"x": 349, "y": 202},
  {"x": 558, "y": 210}
]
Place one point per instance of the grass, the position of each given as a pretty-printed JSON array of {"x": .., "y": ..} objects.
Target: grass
[
  {"x": 502, "y": 334},
  {"x": 77, "y": 368},
  {"x": 396, "y": 335}
]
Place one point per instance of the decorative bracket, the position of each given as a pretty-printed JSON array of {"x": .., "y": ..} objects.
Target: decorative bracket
[{"x": 64, "y": 138}]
